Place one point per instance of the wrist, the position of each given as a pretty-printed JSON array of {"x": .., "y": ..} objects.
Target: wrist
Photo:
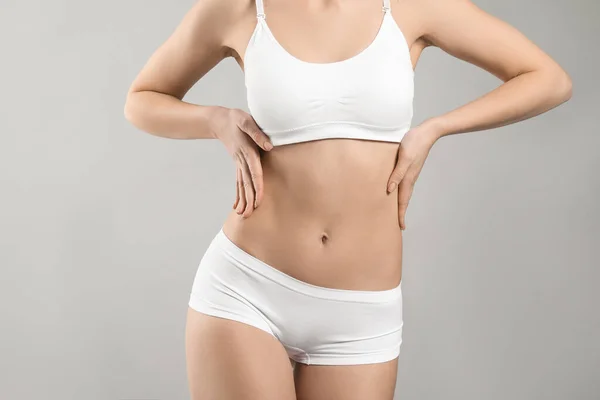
[
  {"x": 216, "y": 117},
  {"x": 432, "y": 129},
  {"x": 435, "y": 127}
]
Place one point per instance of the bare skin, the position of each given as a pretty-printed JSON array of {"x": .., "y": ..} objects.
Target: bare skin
[
  {"x": 325, "y": 214},
  {"x": 230, "y": 360}
]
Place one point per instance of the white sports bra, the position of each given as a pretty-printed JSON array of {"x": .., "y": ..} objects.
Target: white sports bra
[{"x": 367, "y": 96}]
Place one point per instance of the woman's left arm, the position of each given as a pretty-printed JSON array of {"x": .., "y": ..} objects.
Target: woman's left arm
[{"x": 533, "y": 82}]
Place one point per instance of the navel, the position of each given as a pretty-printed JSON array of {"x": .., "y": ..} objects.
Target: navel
[{"x": 324, "y": 238}]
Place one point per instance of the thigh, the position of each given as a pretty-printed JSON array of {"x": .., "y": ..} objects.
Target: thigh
[
  {"x": 227, "y": 359},
  {"x": 348, "y": 382}
]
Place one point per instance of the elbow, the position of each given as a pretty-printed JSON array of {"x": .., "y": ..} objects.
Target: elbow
[
  {"x": 134, "y": 110},
  {"x": 128, "y": 108},
  {"x": 561, "y": 84},
  {"x": 127, "y": 111},
  {"x": 567, "y": 87}
]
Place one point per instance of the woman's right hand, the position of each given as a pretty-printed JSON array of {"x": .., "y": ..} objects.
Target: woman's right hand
[{"x": 242, "y": 138}]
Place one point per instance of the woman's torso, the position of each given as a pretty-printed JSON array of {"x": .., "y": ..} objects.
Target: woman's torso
[{"x": 326, "y": 217}]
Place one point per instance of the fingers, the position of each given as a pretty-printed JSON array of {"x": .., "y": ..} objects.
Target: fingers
[
  {"x": 238, "y": 180},
  {"x": 256, "y": 174},
  {"x": 400, "y": 178},
  {"x": 241, "y": 201},
  {"x": 247, "y": 187},
  {"x": 405, "y": 191},
  {"x": 249, "y": 126},
  {"x": 398, "y": 173},
  {"x": 249, "y": 181}
]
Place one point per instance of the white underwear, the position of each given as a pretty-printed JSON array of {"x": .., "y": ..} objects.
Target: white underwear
[{"x": 315, "y": 324}]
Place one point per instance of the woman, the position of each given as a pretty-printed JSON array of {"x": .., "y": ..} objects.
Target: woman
[{"x": 307, "y": 267}]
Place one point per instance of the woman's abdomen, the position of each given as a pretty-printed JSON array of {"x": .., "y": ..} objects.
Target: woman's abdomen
[{"x": 326, "y": 217}]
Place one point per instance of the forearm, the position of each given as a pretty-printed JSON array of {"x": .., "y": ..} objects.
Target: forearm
[
  {"x": 166, "y": 116},
  {"x": 519, "y": 98}
]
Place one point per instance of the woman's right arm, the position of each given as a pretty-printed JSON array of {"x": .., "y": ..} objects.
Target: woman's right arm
[{"x": 154, "y": 101}]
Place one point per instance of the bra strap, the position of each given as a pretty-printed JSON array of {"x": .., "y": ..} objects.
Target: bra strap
[
  {"x": 386, "y": 5},
  {"x": 260, "y": 10}
]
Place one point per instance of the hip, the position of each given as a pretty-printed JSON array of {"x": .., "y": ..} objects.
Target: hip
[{"x": 316, "y": 325}]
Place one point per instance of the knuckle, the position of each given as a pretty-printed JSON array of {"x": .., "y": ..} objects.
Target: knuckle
[
  {"x": 244, "y": 126},
  {"x": 247, "y": 124},
  {"x": 252, "y": 134}
]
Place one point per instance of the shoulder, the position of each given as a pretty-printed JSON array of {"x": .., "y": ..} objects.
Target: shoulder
[
  {"x": 214, "y": 21},
  {"x": 435, "y": 5},
  {"x": 424, "y": 16},
  {"x": 216, "y": 12},
  {"x": 436, "y": 10},
  {"x": 437, "y": 18}
]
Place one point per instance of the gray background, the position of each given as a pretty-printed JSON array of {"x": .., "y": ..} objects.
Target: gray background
[{"x": 102, "y": 226}]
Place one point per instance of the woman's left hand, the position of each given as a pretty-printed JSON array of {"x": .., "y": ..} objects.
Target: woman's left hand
[{"x": 412, "y": 152}]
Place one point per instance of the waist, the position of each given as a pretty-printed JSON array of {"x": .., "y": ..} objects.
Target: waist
[{"x": 326, "y": 217}]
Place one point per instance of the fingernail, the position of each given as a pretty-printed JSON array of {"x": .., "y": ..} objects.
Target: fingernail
[
  {"x": 256, "y": 204},
  {"x": 392, "y": 186},
  {"x": 268, "y": 145}
]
